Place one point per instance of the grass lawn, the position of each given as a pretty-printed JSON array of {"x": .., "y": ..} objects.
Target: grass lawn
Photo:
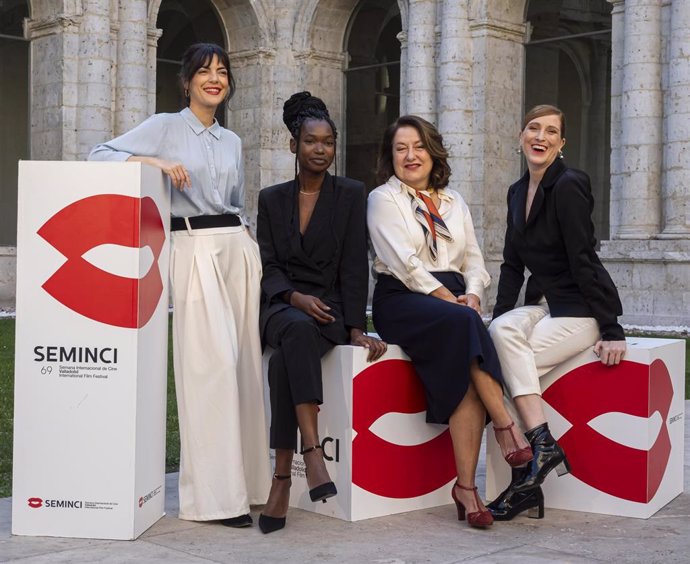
[{"x": 173, "y": 435}]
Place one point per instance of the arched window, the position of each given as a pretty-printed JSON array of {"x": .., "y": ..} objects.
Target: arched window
[
  {"x": 14, "y": 111},
  {"x": 184, "y": 22},
  {"x": 568, "y": 63},
  {"x": 373, "y": 84}
]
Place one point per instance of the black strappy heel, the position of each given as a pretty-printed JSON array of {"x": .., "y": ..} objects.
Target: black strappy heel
[
  {"x": 269, "y": 524},
  {"x": 325, "y": 490}
]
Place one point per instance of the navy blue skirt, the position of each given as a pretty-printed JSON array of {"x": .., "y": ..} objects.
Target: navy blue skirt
[{"x": 441, "y": 338}]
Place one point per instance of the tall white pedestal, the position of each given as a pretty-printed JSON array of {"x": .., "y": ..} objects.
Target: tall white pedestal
[{"x": 91, "y": 349}]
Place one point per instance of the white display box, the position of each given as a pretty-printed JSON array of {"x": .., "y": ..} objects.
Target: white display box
[
  {"x": 91, "y": 349},
  {"x": 380, "y": 452},
  {"x": 621, "y": 428}
]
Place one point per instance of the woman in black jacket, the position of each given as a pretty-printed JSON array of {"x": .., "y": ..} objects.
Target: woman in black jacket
[
  {"x": 312, "y": 237},
  {"x": 571, "y": 302}
]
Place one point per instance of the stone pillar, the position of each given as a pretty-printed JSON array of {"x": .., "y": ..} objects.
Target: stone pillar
[
  {"x": 637, "y": 214},
  {"x": 153, "y": 34},
  {"x": 497, "y": 63},
  {"x": 131, "y": 90},
  {"x": 54, "y": 77},
  {"x": 94, "y": 113},
  {"x": 402, "y": 37},
  {"x": 676, "y": 189},
  {"x": 421, "y": 68},
  {"x": 617, "y": 50},
  {"x": 455, "y": 114}
]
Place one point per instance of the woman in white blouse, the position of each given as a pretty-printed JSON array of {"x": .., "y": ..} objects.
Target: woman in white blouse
[
  {"x": 430, "y": 280},
  {"x": 215, "y": 274}
]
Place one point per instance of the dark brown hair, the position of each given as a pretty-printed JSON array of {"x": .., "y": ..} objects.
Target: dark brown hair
[
  {"x": 432, "y": 141},
  {"x": 200, "y": 55},
  {"x": 541, "y": 111}
]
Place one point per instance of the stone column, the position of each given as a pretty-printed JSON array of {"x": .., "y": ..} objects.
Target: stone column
[
  {"x": 497, "y": 63},
  {"x": 402, "y": 37},
  {"x": 637, "y": 214},
  {"x": 455, "y": 113},
  {"x": 131, "y": 90},
  {"x": 54, "y": 77},
  {"x": 94, "y": 113},
  {"x": 153, "y": 34},
  {"x": 421, "y": 68},
  {"x": 676, "y": 196}
]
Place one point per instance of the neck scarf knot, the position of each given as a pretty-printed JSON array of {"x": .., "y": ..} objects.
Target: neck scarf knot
[{"x": 428, "y": 216}]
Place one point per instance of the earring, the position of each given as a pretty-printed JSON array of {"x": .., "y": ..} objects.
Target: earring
[
  {"x": 186, "y": 93},
  {"x": 518, "y": 151},
  {"x": 560, "y": 154}
]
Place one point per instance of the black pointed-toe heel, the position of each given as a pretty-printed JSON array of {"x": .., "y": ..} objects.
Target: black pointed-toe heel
[
  {"x": 548, "y": 455},
  {"x": 323, "y": 491},
  {"x": 269, "y": 524},
  {"x": 238, "y": 522}
]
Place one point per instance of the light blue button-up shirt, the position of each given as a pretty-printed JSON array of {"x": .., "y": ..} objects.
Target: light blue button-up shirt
[{"x": 212, "y": 156}]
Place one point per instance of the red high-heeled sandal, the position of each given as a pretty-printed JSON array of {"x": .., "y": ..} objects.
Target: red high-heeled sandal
[
  {"x": 519, "y": 456},
  {"x": 480, "y": 519}
]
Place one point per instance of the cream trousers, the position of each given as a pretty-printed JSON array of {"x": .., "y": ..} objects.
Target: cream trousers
[
  {"x": 224, "y": 458},
  {"x": 530, "y": 343}
]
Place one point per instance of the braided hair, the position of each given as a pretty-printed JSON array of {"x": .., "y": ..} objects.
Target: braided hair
[{"x": 301, "y": 107}]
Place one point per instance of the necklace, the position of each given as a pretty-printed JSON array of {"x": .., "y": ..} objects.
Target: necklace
[{"x": 308, "y": 193}]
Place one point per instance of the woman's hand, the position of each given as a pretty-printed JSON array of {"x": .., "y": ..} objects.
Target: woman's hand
[
  {"x": 376, "y": 347},
  {"x": 176, "y": 171},
  {"x": 610, "y": 352},
  {"x": 443, "y": 293},
  {"x": 312, "y": 306},
  {"x": 471, "y": 300}
]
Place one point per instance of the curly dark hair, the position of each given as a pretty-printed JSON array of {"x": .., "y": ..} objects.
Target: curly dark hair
[
  {"x": 199, "y": 55},
  {"x": 432, "y": 141}
]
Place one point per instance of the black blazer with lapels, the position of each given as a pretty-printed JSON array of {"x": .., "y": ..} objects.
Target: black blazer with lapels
[
  {"x": 329, "y": 261},
  {"x": 556, "y": 243}
]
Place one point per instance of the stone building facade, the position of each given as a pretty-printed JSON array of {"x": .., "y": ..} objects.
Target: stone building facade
[{"x": 620, "y": 69}]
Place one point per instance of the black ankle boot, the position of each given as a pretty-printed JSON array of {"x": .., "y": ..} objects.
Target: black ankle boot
[
  {"x": 510, "y": 503},
  {"x": 547, "y": 456}
]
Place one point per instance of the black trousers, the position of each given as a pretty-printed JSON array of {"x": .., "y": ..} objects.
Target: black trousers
[{"x": 294, "y": 370}]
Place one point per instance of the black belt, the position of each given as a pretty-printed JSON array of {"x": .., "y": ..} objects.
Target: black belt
[{"x": 205, "y": 222}]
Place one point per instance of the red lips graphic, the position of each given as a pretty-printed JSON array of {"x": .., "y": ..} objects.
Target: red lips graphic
[
  {"x": 141, "y": 502},
  {"x": 594, "y": 389},
  {"x": 384, "y": 468},
  {"x": 90, "y": 291},
  {"x": 35, "y": 502}
]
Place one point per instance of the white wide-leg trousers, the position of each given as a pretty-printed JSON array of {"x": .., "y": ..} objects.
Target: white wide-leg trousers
[{"x": 224, "y": 458}]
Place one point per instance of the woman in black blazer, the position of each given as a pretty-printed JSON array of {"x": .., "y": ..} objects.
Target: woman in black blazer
[
  {"x": 312, "y": 237},
  {"x": 571, "y": 302}
]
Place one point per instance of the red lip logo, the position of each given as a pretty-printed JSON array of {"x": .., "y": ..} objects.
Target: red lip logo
[
  {"x": 35, "y": 502},
  {"x": 90, "y": 291},
  {"x": 141, "y": 502},
  {"x": 388, "y": 469},
  {"x": 594, "y": 389}
]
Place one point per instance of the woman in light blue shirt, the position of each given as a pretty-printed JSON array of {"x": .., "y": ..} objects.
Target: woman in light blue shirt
[{"x": 215, "y": 274}]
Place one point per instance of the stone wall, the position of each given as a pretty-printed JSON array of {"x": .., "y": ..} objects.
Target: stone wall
[{"x": 462, "y": 66}]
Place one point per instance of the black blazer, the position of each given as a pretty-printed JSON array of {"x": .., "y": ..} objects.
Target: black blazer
[
  {"x": 329, "y": 261},
  {"x": 556, "y": 244}
]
